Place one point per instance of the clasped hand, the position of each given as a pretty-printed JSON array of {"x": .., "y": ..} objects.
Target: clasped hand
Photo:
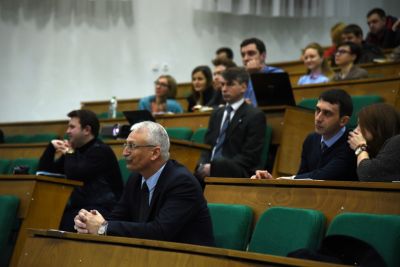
[{"x": 88, "y": 222}]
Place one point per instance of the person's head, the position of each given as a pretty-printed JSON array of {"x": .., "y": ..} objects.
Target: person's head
[
  {"x": 347, "y": 53},
  {"x": 165, "y": 86},
  {"x": 146, "y": 148},
  {"x": 253, "y": 49},
  {"x": 224, "y": 52},
  {"x": 352, "y": 33},
  {"x": 220, "y": 65},
  {"x": 336, "y": 33},
  {"x": 234, "y": 84},
  {"x": 333, "y": 111},
  {"x": 314, "y": 60},
  {"x": 201, "y": 78},
  {"x": 376, "y": 19},
  {"x": 377, "y": 123},
  {"x": 83, "y": 126}
]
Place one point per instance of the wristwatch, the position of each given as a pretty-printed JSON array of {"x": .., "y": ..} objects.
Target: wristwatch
[
  {"x": 103, "y": 228},
  {"x": 360, "y": 149}
]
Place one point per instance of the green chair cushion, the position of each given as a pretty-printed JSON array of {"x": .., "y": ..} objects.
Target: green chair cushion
[
  {"x": 31, "y": 163},
  {"x": 124, "y": 170},
  {"x": 231, "y": 225},
  {"x": 380, "y": 231},
  {"x": 199, "y": 135},
  {"x": 182, "y": 133},
  {"x": 281, "y": 230},
  {"x": 4, "y": 166}
]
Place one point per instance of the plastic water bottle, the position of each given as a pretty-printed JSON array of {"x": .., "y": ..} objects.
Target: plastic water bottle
[{"x": 112, "y": 109}]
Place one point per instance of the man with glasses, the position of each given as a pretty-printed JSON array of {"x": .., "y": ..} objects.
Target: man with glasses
[
  {"x": 236, "y": 132},
  {"x": 163, "y": 99},
  {"x": 345, "y": 57},
  {"x": 162, "y": 199},
  {"x": 85, "y": 158}
]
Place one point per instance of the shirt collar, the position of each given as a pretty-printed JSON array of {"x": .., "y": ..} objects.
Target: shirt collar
[
  {"x": 334, "y": 138},
  {"x": 235, "y": 106},
  {"x": 152, "y": 180}
]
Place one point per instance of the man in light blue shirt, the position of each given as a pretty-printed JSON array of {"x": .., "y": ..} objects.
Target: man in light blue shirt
[{"x": 254, "y": 53}]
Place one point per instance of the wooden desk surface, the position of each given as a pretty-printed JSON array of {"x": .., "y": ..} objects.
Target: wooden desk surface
[
  {"x": 68, "y": 249},
  {"x": 42, "y": 202},
  {"x": 330, "y": 197}
]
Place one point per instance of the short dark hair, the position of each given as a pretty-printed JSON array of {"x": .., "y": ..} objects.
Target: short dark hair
[
  {"x": 238, "y": 74},
  {"x": 379, "y": 11},
  {"x": 341, "y": 98},
  {"x": 227, "y": 50},
  {"x": 354, "y": 49},
  {"x": 354, "y": 29},
  {"x": 259, "y": 44},
  {"x": 224, "y": 62},
  {"x": 86, "y": 118}
]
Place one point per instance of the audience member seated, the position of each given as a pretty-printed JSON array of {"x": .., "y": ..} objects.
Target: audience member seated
[
  {"x": 376, "y": 142},
  {"x": 162, "y": 200},
  {"x": 235, "y": 132},
  {"x": 224, "y": 52},
  {"x": 254, "y": 54},
  {"x": 202, "y": 89},
  {"x": 336, "y": 38},
  {"x": 85, "y": 158},
  {"x": 220, "y": 65},
  {"x": 163, "y": 100},
  {"x": 381, "y": 30},
  {"x": 318, "y": 70},
  {"x": 353, "y": 33},
  {"x": 326, "y": 154},
  {"x": 346, "y": 55}
]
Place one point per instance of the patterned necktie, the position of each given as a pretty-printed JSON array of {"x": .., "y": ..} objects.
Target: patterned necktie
[
  {"x": 222, "y": 133},
  {"x": 144, "y": 203}
]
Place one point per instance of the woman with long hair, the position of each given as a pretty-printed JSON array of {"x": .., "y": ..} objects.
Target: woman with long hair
[
  {"x": 376, "y": 142},
  {"x": 202, "y": 88}
]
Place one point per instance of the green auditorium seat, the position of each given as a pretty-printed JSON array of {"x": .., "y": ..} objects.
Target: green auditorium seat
[
  {"x": 31, "y": 163},
  {"x": 380, "y": 231},
  {"x": 124, "y": 171},
  {"x": 281, "y": 230},
  {"x": 199, "y": 135},
  {"x": 231, "y": 225},
  {"x": 8, "y": 219},
  {"x": 181, "y": 133},
  {"x": 4, "y": 166},
  {"x": 19, "y": 138},
  {"x": 42, "y": 138},
  {"x": 265, "y": 151}
]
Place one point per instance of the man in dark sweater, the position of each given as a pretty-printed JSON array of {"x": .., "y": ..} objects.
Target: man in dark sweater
[
  {"x": 84, "y": 158},
  {"x": 326, "y": 154}
]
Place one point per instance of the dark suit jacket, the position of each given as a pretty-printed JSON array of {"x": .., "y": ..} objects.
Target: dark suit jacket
[
  {"x": 178, "y": 209},
  {"x": 243, "y": 142},
  {"x": 338, "y": 162}
]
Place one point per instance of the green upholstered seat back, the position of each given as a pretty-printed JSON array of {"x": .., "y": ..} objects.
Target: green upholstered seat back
[
  {"x": 31, "y": 163},
  {"x": 45, "y": 137},
  {"x": 231, "y": 224},
  {"x": 265, "y": 151},
  {"x": 182, "y": 133},
  {"x": 199, "y": 135},
  {"x": 380, "y": 231},
  {"x": 4, "y": 166},
  {"x": 124, "y": 170},
  {"x": 281, "y": 230}
]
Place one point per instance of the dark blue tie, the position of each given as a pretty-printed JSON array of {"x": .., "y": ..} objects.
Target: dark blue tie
[
  {"x": 323, "y": 146},
  {"x": 144, "y": 203},
  {"x": 222, "y": 133}
]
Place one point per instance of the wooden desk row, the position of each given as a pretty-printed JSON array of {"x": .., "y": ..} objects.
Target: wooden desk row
[
  {"x": 42, "y": 202},
  {"x": 329, "y": 197},
  {"x": 68, "y": 249}
]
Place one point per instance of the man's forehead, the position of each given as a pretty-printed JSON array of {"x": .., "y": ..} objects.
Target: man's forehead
[
  {"x": 325, "y": 105},
  {"x": 249, "y": 47}
]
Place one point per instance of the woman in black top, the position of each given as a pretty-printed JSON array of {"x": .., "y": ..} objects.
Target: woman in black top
[{"x": 202, "y": 89}]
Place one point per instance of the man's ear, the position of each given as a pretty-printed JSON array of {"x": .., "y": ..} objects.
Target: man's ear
[
  {"x": 344, "y": 120},
  {"x": 156, "y": 153},
  {"x": 264, "y": 56},
  {"x": 87, "y": 130}
]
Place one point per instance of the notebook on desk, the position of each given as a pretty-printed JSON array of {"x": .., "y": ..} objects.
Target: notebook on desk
[{"x": 272, "y": 89}]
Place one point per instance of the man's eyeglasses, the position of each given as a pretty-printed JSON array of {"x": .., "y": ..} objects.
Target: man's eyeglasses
[
  {"x": 157, "y": 83},
  {"x": 341, "y": 52},
  {"x": 131, "y": 146}
]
